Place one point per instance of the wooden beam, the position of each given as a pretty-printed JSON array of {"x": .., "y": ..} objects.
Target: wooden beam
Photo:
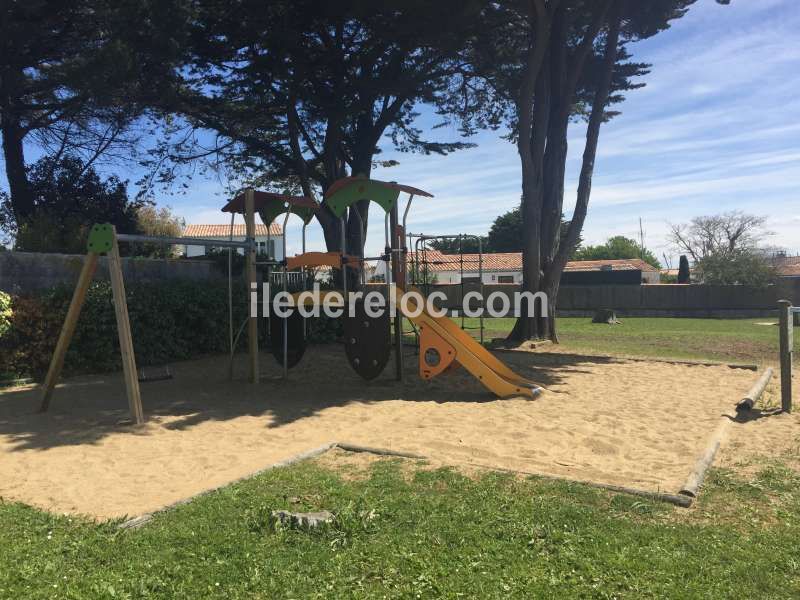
[
  {"x": 786, "y": 343},
  {"x": 755, "y": 392},
  {"x": 250, "y": 275},
  {"x": 124, "y": 331},
  {"x": 695, "y": 479},
  {"x": 68, "y": 329}
]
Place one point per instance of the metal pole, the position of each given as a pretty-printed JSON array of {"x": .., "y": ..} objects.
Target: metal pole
[
  {"x": 786, "y": 346},
  {"x": 344, "y": 267},
  {"x": 394, "y": 256},
  {"x": 303, "y": 272},
  {"x": 461, "y": 259},
  {"x": 250, "y": 277},
  {"x": 480, "y": 278},
  {"x": 230, "y": 299},
  {"x": 184, "y": 241},
  {"x": 285, "y": 319},
  {"x": 354, "y": 208}
]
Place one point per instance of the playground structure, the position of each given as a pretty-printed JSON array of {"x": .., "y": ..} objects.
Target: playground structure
[
  {"x": 420, "y": 272},
  {"x": 442, "y": 343}
]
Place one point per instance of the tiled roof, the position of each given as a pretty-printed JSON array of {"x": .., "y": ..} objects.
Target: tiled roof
[
  {"x": 787, "y": 266},
  {"x": 223, "y": 231},
  {"x": 623, "y": 264},
  {"x": 512, "y": 261}
]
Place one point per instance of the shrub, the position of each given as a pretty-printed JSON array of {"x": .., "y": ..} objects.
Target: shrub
[
  {"x": 5, "y": 313},
  {"x": 738, "y": 268},
  {"x": 176, "y": 320},
  {"x": 169, "y": 321}
]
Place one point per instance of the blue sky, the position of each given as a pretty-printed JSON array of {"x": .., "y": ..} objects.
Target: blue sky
[{"x": 715, "y": 129}]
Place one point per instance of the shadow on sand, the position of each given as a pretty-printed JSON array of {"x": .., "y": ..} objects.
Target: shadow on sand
[{"x": 86, "y": 409}]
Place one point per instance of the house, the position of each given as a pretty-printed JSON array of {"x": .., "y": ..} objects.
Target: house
[
  {"x": 267, "y": 242},
  {"x": 787, "y": 266},
  {"x": 506, "y": 267}
]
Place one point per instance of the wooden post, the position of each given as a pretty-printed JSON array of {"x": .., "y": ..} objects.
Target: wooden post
[
  {"x": 68, "y": 330},
  {"x": 250, "y": 275},
  {"x": 124, "y": 332},
  {"x": 786, "y": 344}
]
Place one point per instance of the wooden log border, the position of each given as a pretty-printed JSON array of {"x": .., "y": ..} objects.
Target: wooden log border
[
  {"x": 684, "y": 498},
  {"x": 752, "y": 396},
  {"x": 694, "y": 481},
  {"x": 136, "y": 522}
]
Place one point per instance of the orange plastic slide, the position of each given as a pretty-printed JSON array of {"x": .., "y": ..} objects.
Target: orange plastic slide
[{"x": 442, "y": 341}]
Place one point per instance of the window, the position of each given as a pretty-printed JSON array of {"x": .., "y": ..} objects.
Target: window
[
  {"x": 505, "y": 279},
  {"x": 266, "y": 249}
]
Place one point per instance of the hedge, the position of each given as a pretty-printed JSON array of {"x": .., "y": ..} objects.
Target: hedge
[
  {"x": 5, "y": 313},
  {"x": 170, "y": 321}
]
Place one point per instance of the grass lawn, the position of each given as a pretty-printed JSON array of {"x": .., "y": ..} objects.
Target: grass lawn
[
  {"x": 740, "y": 340},
  {"x": 405, "y": 531}
]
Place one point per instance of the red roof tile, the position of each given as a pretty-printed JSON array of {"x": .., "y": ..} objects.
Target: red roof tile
[
  {"x": 512, "y": 261},
  {"x": 787, "y": 266},
  {"x": 222, "y": 232}
]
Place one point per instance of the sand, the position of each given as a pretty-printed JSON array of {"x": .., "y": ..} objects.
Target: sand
[{"x": 637, "y": 424}]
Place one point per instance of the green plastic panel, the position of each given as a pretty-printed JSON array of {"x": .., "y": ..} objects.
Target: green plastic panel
[
  {"x": 101, "y": 237},
  {"x": 363, "y": 189},
  {"x": 271, "y": 211}
]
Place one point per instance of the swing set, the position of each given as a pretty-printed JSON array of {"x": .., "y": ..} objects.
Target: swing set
[{"x": 368, "y": 339}]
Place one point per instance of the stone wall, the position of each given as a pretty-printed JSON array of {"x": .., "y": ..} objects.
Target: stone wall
[{"x": 24, "y": 272}]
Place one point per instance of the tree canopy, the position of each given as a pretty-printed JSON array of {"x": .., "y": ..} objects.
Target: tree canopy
[
  {"x": 291, "y": 95},
  {"x": 727, "y": 248},
  {"x": 68, "y": 198},
  {"x": 505, "y": 235},
  {"x": 73, "y": 77},
  {"x": 300, "y": 93},
  {"x": 617, "y": 247},
  {"x": 543, "y": 65}
]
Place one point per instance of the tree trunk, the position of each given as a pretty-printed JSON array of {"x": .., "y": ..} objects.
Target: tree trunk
[
  {"x": 14, "y": 155},
  {"x": 527, "y": 325},
  {"x": 552, "y": 275},
  {"x": 531, "y": 146}
]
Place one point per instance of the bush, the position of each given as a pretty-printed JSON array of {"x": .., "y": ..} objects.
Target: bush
[
  {"x": 5, "y": 313},
  {"x": 324, "y": 329},
  {"x": 739, "y": 268},
  {"x": 169, "y": 321},
  {"x": 177, "y": 320}
]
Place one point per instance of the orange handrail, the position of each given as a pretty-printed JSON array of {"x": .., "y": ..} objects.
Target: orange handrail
[{"x": 323, "y": 259}]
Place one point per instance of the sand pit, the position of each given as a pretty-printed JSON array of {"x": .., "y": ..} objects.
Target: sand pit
[{"x": 604, "y": 420}]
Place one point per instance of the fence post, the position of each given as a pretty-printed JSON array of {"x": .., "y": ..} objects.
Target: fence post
[{"x": 786, "y": 345}]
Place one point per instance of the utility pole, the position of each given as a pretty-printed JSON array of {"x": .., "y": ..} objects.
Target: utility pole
[{"x": 641, "y": 239}]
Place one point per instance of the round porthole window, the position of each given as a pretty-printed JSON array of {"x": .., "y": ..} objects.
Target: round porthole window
[{"x": 432, "y": 357}]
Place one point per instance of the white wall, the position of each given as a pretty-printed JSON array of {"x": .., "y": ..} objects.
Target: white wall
[
  {"x": 651, "y": 276},
  {"x": 493, "y": 277},
  {"x": 277, "y": 242},
  {"x": 489, "y": 277}
]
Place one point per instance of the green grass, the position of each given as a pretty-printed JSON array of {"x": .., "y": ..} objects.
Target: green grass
[
  {"x": 415, "y": 533},
  {"x": 740, "y": 340}
]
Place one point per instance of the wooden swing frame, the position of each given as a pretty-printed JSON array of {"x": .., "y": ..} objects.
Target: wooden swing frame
[{"x": 106, "y": 242}]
